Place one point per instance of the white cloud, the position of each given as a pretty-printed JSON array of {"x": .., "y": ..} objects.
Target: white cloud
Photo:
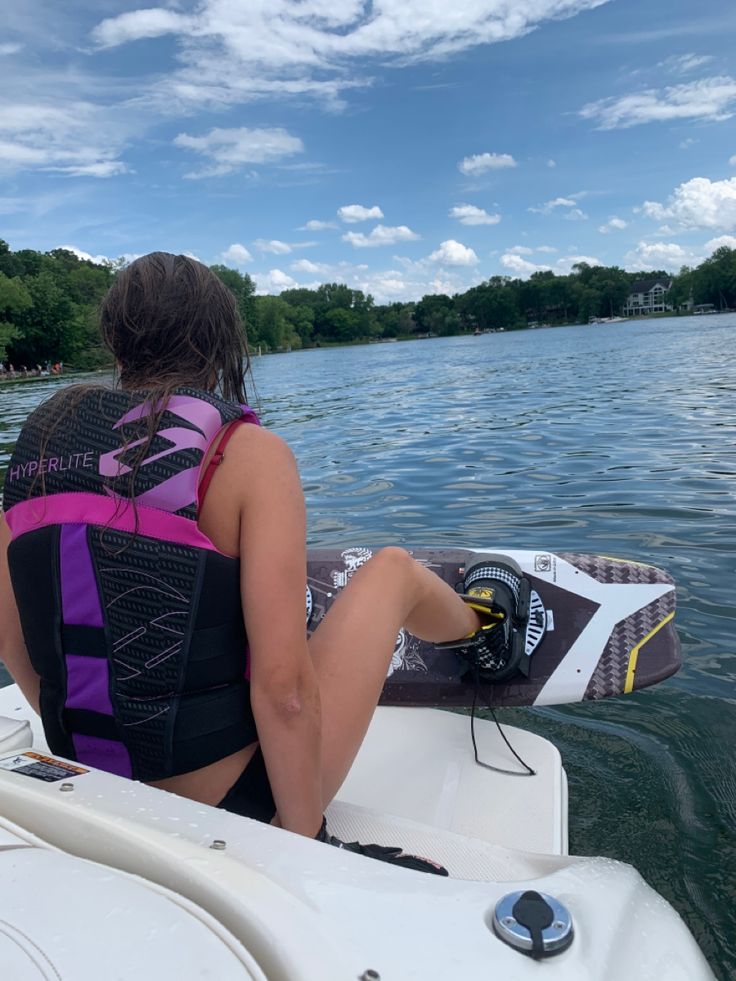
[
  {"x": 414, "y": 280},
  {"x": 614, "y": 223},
  {"x": 551, "y": 163},
  {"x": 230, "y": 149},
  {"x": 273, "y": 245},
  {"x": 101, "y": 260},
  {"x": 566, "y": 265},
  {"x": 698, "y": 203},
  {"x": 314, "y": 268},
  {"x": 274, "y": 281},
  {"x": 452, "y": 253},
  {"x": 520, "y": 250},
  {"x": 230, "y": 51},
  {"x": 406, "y": 280},
  {"x": 9, "y": 49},
  {"x": 546, "y": 248},
  {"x": 317, "y": 226},
  {"x": 723, "y": 241},
  {"x": 351, "y": 213},
  {"x": 648, "y": 256},
  {"x": 380, "y": 235},
  {"x": 522, "y": 267},
  {"x": 76, "y": 138},
  {"x": 469, "y": 214},
  {"x": 708, "y": 98},
  {"x": 137, "y": 24},
  {"x": 102, "y": 168},
  {"x": 732, "y": 160},
  {"x": 238, "y": 254},
  {"x": 684, "y": 63},
  {"x": 549, "y": 206},
  {"x": 481, "y": 163},
  {"x": 516, "y": 264},
  {"x": 687, "y": 143}
]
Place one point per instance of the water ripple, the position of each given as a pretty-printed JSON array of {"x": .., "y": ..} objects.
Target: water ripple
[{"x": 620, "y": 440}]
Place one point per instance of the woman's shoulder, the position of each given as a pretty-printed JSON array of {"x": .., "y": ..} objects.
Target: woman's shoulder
[{"x": 248, "y": 441}]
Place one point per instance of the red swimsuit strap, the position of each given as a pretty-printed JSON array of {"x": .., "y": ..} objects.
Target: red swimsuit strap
[{"x": 216, "y": 459}]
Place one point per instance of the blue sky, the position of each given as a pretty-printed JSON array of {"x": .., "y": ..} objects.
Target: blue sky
[{"x": 402, "y": 146}]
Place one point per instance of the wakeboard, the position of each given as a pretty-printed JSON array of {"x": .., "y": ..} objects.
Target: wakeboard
[{"x": 598, "y": 627}]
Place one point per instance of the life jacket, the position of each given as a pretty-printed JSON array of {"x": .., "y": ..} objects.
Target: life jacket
[{"x": 132, "y": 618}]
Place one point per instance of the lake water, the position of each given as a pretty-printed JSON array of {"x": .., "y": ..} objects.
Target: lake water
[{"x": 617, "y": 439}]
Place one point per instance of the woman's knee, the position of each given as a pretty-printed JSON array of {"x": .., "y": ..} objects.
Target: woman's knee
[
  {"x": 392, "y": 557},
  {"x": 394, "y": 566}
]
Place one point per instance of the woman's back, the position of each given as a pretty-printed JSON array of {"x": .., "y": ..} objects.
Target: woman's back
[{"x": 137, "y": 632}]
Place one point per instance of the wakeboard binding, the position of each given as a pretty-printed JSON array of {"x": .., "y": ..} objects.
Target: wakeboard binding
[{"x": 498, "y": 592}]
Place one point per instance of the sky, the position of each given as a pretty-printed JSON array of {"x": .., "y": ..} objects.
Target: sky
[{"x": 404, "y": 147}]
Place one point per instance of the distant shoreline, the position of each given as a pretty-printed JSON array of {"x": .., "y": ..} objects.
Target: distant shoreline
[{"x": 329, "y": 345}]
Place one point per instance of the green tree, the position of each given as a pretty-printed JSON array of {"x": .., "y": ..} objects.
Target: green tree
[
  {"x": 50, "y": 328},
  {"x": 14, "y": 299},
  {"x": 301, "y": 318},
  {"x": 435, "y": 314},
  {"x": 243, "y": 288},
  {"x": 714, "y": 280},
  {"x": 341, "y": 325},
  {"x": 274, "y": 325}
]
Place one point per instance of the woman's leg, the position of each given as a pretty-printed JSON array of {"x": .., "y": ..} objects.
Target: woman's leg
[{"x": 352, "y": 646}]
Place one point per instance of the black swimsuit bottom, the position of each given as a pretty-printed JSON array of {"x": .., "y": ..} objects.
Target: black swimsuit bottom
[{"x": 251, "y": 795}]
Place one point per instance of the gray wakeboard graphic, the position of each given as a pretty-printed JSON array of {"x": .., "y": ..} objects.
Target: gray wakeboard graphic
[{"x": 600, "y": 626}]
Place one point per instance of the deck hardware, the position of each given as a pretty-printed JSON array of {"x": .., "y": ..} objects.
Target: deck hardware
[
  {"x": 219, "y": 845},
  {"x": 66, "y": 787},
  {"x": 533, "y": 923},
  {"x": 370, "y": 975}
]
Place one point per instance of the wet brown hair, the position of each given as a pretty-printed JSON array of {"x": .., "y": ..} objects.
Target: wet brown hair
[{"x": 169, "y": 321}]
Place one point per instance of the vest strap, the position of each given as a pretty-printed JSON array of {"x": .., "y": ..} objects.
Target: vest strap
[{"x": 216, "y": 459}]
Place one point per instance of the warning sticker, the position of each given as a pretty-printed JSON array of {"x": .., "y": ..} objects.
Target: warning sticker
[{"x": 45, "y": 768}]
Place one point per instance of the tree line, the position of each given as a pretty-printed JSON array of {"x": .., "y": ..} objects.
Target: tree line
[{"x": 49, "y": 303}]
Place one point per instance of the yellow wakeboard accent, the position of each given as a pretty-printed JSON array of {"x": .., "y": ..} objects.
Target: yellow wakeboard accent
[
  {"x": 482, "y": 592},
  {"x": 485, "y": 612},
  {"x": 615, "y": 558},
  {"x": 634, "y": 656}
]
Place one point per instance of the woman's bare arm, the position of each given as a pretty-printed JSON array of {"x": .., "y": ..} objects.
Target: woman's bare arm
[
  {"x": 13, "y": 651},
  {"x": 284, "y": 690}
]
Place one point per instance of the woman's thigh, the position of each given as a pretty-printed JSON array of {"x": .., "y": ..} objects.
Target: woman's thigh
[{"x": 353, "y": 644}]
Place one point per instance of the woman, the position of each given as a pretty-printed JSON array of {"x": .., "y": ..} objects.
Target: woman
[{"x": 136, "y": 592}]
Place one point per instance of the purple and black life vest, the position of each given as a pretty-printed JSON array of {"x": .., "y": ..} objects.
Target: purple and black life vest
[{"x": 131, "y": 616}]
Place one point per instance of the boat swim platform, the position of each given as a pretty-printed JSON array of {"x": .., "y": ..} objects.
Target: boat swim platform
[{"x": 416, "y": 766}]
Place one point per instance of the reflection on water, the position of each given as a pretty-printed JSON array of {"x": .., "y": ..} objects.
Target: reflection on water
[{"x": 617, "y": 439}]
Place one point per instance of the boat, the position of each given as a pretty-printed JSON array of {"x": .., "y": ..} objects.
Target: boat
[{"x": 90, "y": 862}]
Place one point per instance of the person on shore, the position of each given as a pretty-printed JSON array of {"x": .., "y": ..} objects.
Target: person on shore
[{"x": 152, "y": 599}]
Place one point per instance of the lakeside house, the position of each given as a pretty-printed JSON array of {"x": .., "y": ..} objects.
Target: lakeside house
[{"x": 648, "y": 296}]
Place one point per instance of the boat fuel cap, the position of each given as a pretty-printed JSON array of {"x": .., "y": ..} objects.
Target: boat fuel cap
[{"x": 533, "y": 923}]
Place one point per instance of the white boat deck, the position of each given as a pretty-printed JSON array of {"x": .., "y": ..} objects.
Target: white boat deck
[{"x": 306, "y": 912}]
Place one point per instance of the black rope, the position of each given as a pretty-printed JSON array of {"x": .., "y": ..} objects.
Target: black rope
[{"x": 488, "y": 766}]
